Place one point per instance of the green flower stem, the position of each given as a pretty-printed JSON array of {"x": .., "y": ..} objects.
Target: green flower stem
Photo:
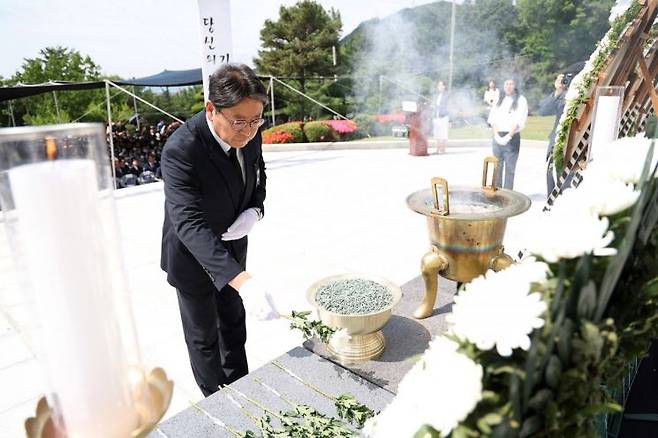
[
  {"x": 215, "y": 421},
  {"x": 254, "y": 402},
  {"x": 347, "y": 406},
  {"x": 307, "y": 384},
  {"x": 309, "y": 328},
  {"x": 273, "y": 391}
]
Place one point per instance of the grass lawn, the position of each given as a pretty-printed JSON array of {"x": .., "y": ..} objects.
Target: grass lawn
[{"x": 536, "y": 128}]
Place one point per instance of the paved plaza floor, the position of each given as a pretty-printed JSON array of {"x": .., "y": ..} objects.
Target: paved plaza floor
[{"x": 326, "y": 212}]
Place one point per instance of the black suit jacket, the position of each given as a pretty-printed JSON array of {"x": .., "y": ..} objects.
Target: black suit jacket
[{"x": 203, "y": 197}]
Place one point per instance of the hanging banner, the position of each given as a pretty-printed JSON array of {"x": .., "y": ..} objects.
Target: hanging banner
[{"x": 216, "y": 43}]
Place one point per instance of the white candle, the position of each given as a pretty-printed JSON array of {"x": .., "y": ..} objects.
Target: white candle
[
  {"x": 605, "y": 121},
  {"x": 57, "y": 206}
]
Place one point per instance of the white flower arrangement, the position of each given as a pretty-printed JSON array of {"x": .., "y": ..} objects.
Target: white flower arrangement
[
  {"x": 621, "y": 160},
  {"x": 498, "y": 309},
  {"x": 441, "y": 366},
  {"x": 577, "y": 223},
  {"x": 568, "y": 234}
]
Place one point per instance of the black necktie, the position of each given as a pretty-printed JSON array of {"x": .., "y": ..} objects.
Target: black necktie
[{"x": 233, "y": 158}]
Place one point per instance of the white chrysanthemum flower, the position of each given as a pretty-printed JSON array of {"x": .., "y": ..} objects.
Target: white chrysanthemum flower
[
  {"x": 441, "y": 366},
  {"x": 497, "y": 309},
  {"x": 623, "y": 159},
  {"x": 619, "y": 9},
  {"x": 567, "y": 233},
  {"x": 599, "y": 194}
]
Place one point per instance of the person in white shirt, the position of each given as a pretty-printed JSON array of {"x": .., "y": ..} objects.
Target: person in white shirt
[
  {"x": 507, "y": 119},
  {"x": 491, "y": 95},
  {"x": 441, "y": 120}
]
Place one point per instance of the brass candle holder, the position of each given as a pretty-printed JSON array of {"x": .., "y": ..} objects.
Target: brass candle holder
[
  {"x": 151, "y": 407},
  {"x": 466, "y": 227}
]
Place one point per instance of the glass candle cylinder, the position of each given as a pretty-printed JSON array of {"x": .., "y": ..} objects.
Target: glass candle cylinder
[
  {"x": 58, "y": 208},
  {"x": 607, "y": 114}
]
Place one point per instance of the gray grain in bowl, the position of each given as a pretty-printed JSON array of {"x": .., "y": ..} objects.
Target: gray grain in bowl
[{"x": 355, "y": 296}]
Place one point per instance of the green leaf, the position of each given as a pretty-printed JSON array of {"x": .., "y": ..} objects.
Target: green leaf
[
  {"x": 553, "y": 371},
  {"x": 564, "y": 340},
  {"x": 507, "y": 369},
  {"x": 592, "y": 341},
  {"x": 530, "y": 426},
  {"x": 492, "y": 419},
  {"x": 506, "y": 429},
  {"x": 427, "y": 432},
  {"x": 587, "y": 301},
  {"x": 601, "y": 408},
  {"x": 616, "y": 265},
  {"x": 540, "y": 399},
  {"x": 349, "y": 409}
]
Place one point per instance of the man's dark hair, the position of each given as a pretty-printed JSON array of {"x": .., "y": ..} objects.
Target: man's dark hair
[{"x": 232, "y": 83}]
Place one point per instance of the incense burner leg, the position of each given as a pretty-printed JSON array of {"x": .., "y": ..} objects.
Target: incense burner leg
[{"x": 431, "y": 264}]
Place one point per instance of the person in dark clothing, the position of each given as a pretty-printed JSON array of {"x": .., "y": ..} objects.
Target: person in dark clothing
[
  {"x": 135, "y": 168},
  {"x": 151, "y": 164},
  {"x": 214, "y": 185},
  {"x": 553, "y": 104}
]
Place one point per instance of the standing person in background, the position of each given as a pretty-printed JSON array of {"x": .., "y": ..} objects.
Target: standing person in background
[
  {"x": 507, "y": 118},
  {"x": 553, "y": 105},
  {"x": 441, "y": 118},
  {"x": 491, "y": 95}
]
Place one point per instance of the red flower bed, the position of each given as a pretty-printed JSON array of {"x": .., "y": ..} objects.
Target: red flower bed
[
  {"x": 277, "y": 137},
  {"x": 341, "y": 126},
  {"x": 391, "y": 117}
]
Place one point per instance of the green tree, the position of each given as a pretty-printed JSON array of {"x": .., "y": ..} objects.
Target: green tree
[
  {"x": 556, "y": 33},
  {"x": 411, "y": 49},
  {"x": 299, "y": 44},
  {"x": 56, "y": 64}
]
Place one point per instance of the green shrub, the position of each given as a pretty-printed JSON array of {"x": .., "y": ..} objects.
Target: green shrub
[
  {"x": 365, "y": 124},
  {"x": 295, "y": 129},
  {"x": 294, "y": 132},
  {"x": 318, "y": 131}
]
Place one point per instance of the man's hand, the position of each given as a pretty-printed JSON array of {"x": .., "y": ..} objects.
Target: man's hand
[
  {"x": 242, "y": 225},
  {"x": 257, "y": 300}
]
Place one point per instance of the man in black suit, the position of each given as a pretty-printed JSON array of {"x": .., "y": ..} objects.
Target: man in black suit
[{"x": 214, "y": 183}]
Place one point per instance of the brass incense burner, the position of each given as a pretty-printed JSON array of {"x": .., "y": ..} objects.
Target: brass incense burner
[
  {"x": 466, "y": 228},
  {"x": 366, "y": 340}
]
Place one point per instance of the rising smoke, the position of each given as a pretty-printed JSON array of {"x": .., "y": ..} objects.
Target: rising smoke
[{"x": 402, "y": 56}]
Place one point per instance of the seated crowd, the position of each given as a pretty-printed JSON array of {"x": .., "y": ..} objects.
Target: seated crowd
[{"x": 137, "y": 152}]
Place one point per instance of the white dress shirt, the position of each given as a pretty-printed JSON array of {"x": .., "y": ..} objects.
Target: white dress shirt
[
  {"x": 491, "y": 97},
  {"x": 504, "y": 118},
  {"x": 227, "y": 147},
  {"x": 238, "y": 153}
]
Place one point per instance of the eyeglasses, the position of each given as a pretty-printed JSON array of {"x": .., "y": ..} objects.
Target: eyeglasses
[{"x": 239, "y": 125}]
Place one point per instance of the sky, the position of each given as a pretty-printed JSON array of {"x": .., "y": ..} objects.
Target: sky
[{"x": 135, "y": 38}]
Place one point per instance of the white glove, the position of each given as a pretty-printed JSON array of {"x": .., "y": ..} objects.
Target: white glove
[
  {"x": 502, "y": 140},
  {"x": 257, "y": 300},
  {"x": 242, "y": 225}
]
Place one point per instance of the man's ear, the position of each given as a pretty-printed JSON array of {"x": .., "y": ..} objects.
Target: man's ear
[{"x": 209, "y": 109}]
